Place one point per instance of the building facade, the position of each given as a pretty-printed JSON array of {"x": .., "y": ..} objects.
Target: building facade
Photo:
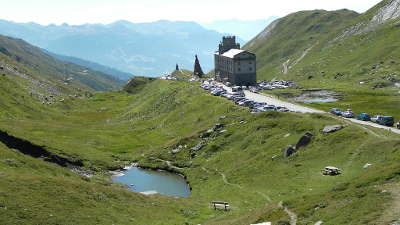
[{"x": 233, "y": 65}]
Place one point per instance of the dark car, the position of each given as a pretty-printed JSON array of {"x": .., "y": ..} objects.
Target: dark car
[
  {"x": 364, "y": 117},
  {"x": 386, "y": 121},
  {"x": 336, "y": 112}
]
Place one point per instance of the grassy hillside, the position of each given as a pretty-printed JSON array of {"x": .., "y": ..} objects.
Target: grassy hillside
[
  {"x": 33, "y": 62},
  {"x": 353, "y": 55},
  {"x": 242, "y": 165}
]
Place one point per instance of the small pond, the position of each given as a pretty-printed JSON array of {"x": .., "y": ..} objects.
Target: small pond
[
  {"x": 319, "y": 96},
  {"x": 154, "y": 182}
]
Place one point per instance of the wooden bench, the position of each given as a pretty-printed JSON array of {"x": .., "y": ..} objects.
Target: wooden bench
[{"x": 219, "y": 203}]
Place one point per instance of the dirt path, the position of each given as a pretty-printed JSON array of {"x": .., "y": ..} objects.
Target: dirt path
[
  {"x": 292, "y": 215},
  {"x": 391, "y": 215},
  {"x": 225, "y": 180},
  {"x": 285, "y": 66}
]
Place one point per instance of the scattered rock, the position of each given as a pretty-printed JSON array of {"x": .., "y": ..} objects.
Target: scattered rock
[
  {"x": 223, "y": 131},
  {"x": 242, "y": 122},
  {"x": 175, "y": 151},
  {"x": 222, "y": 117},
  {"x": 331, "y": 129},
  {"x": 218, "y": 126},
  {"x": 199, "y": 146},
  {"x": 287, "y": 152},
  {"x": 366, "y": 166},
  {"x": 304, "y": 140}
]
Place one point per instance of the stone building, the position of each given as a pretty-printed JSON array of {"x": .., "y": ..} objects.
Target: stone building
[{"x": 233, "y": 65}]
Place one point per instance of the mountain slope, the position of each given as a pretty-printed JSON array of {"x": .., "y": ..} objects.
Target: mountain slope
[
  {"x": 327, "y": 48},
  {"x": 149, "y": 49},
  {"x": 93, "y": 66},
  {"x": 289, "y": 37},
  {"x": 19, "y": 57}
]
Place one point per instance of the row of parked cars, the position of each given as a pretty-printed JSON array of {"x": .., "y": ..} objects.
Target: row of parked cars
[
  {"x": 237, "y": 95},
  {"x": 379, "y": 119},
  {"x": 276, "y": 84}
]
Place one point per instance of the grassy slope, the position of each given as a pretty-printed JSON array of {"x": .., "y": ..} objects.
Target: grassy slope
[
  {"x": 112, "y": 128},
  {"x": 371, "y": 58},
  {"x": 34, "y": 62}
]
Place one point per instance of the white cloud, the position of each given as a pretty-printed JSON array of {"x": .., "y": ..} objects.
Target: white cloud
[{"x": 107, "y": 11}]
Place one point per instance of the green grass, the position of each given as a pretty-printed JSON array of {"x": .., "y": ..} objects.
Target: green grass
[
  {"x": 111, "y": 129},
  {"x": 151, "y": 117}
]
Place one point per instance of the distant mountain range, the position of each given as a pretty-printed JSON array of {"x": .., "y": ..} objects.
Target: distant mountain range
[
  {"x": 244, "y": 29},
  {"x": 148, "y": 49}
]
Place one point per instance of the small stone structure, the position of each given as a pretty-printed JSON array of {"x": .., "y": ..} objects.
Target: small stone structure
[{"x": 197, "y": 68}]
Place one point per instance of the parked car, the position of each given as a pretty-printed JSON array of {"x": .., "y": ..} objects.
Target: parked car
[
  {"x": 375, "y": 118},
  {"x": 364, "y": 117},
  {"x": 398, "y": 125},
  {"x": 237, "y": 89},
  {"x": 270, "y": 108},
  {"x": 386, "y": 121},
  {"x": 348, "y": 113},
  {"x": 336, "y": 111}
]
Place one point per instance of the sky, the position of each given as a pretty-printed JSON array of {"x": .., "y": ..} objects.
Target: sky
[{"x": 76, "y": 12}]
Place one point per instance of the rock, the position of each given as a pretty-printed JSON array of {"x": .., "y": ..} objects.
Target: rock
[
  {"x": 199, "y": 146},
  {"x": 366, "y": 166},
  {"x": 331, "y": 129},
  {"x": 287, "y": 152},
  {"x": 218, "y": 126},
  {"x": 175, "y": 151},
  {"x": 223, "y": 131},
  {"x": 304, "y": 140},
  {"x": 222, "y": 117}
]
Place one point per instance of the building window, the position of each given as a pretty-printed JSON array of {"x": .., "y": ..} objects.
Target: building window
[
  {"x": 251, "y": 68},
  {"x": 239, "y": 69},
  {"x": 250, "y": 62}
]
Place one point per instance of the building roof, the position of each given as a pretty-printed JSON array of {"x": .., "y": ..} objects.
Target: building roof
[{"x": 232, "y": 53}]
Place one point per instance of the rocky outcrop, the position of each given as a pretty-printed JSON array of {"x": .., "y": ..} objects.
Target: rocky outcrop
[
  {"x": 36, "y": 151},
  {"x": 304, "y": 140},
  {"x": 290, "y": 150},
  {"x": 386, "y": 13},
  {"x": 332, "y": 129}
]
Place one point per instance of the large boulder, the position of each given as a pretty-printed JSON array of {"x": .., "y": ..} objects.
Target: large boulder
[
  {"x": 331, "y": 129},
  {"x": 287, "y": 152},
  {"x": 304, "y": 140}
]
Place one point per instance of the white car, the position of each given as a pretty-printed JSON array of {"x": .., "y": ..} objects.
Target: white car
[
  {"x": 375, "y": 118},
  {"x": 348, "y": 113}
]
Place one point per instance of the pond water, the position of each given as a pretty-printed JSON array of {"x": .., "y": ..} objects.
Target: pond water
[
  {"x": 319, "y": 100},
  {"x": 320, "y": 96},
  {"x": 154, "y": 182}
]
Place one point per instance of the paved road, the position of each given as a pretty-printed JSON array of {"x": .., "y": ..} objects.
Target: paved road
[{"x": 271, "y": 100}]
